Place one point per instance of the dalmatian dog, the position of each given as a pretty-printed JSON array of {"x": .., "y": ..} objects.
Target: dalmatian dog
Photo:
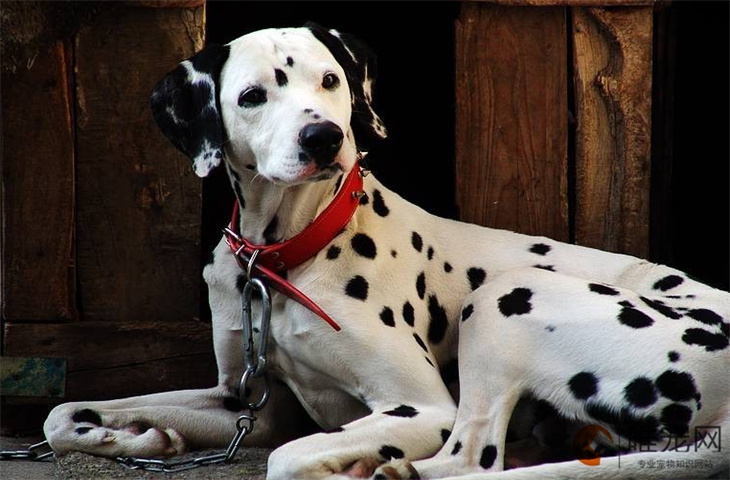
[{"x": 445, "y": 325}]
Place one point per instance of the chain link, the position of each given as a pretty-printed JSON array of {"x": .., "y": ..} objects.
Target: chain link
[{"x": 31, "y": 453}]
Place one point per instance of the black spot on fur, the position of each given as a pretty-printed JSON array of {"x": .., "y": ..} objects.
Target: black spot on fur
[
  {"x": 379, "y": 204},
  {"x": 428, "y": 360},
  {"x": 634, "y": 318},
  {"x": 708, "y": 317},
  {"x": 668, "y": 283},
  {"x": 387, "y": 317},
  {"x": 364, "y": 245},
  {"x": 625, "y": 303},
  {"x": 338, "y": 182},
  {"x": 421, "y": 285},
  {"x": 673, "y": 356},
  {"x": 550, "y": 328},
  {"x": 676, "y": 418},
  {"x": 517, "y": 302},
  {"x": 540, "y": 248},
  {"x": 420, "y": 343},
  {"x": 549, "y": 268},
  {"x": 456, "y": 449},
  {"x": 333, "y": 252},
  {"x": 281, "y": 78},
  {"x": 638, "y": 428},
  {"x": 405, "y": 411},
  {"x": 389, "y": 452},
  {"x": 289, "y": 62},
  {"x": 602, "y": 289},
  {"x": 447, "y": 267},
  {"x": 476, "y": 277},
  {"x": 393, "y": 253},
  {"x": 660, "y": 307},
  {"x": 438, "y": 321},
  {"x": 86, "y": 415},
  {"x": 417, "y": 241},
  {"x": 640, "y": 392},
  {"x": 364, "y": 199},
  {"x": 232, "y": 404},
  {"x": 270, "y": 231},
  {"x": 489, "y": 455},
  {"x": 83, "y": 430},
  {"x": 583, "y": 385},
  {"x": 467, "y": 311},
  {"x": 711, "y": 341},
  {"x": 445, "y": 434},
  {"x": 677, "y": 386},
  {"x": 357, "y": 287},
  {"x": 408, "y": 314}
]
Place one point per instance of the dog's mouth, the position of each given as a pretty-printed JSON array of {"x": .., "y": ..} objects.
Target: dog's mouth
[{"x": 311, "y": 172}]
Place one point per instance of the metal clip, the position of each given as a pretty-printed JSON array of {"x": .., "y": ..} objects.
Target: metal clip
[
  {"x": 255, "y": 361},
  {"x": 358, "y": 195}
]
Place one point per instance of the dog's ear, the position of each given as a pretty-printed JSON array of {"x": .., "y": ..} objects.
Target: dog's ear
[
  {"x": 359, "y": 64},
  {"x": 186, "y": 107}
]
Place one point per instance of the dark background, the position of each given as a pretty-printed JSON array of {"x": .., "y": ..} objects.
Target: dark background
[{"x": 414, "y": 95}]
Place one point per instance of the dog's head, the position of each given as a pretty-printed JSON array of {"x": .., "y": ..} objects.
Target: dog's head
[{"x": 289, "y": 103}]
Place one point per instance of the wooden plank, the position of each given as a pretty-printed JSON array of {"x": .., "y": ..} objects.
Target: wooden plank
[
  {"x": 613, "y": 72},
  {"x": 511, "y": 118},
  {"x": 38, "y": 278},
  {"x": 139, "y": 204},
  {"x": 166, "y": 374},
  {"x": 107, "y": 344}
]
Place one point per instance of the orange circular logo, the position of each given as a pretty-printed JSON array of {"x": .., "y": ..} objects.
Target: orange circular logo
[{"x": 582, "y": 444}]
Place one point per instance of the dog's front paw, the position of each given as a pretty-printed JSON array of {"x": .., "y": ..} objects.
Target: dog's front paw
[{"x": 396, "y": 470}]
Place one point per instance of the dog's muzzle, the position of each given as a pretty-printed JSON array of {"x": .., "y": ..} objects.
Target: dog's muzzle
[{"x": 321, "y": 142}]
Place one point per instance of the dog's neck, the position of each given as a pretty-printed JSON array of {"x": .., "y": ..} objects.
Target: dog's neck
[{"x": 272, "y": 213}]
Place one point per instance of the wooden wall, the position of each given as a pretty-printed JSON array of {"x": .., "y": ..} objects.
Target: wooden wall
[
  {"x": 101, "y": 217},
  {"x": 553, "y": 120}
]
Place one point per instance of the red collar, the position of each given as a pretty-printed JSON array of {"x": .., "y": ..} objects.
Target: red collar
[{"x": 278, "y": 257}]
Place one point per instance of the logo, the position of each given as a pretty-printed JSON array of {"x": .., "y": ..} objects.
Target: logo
[{"x": 583, "y": 440}]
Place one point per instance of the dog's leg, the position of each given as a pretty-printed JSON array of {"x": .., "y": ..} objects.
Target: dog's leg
[
  {"x": 599, "y": 354},
  {"x": 166, "y": 424}
]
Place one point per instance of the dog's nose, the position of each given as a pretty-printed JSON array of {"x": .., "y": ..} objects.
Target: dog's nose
[{"x": 321, "y": 141}]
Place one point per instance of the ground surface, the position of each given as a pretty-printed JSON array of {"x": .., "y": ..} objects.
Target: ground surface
[{"x": 249, "y": 464}]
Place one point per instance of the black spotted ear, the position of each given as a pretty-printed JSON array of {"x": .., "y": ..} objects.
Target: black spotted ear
[
  {"x": 359, "y": 64},
  {"x": 185, "y": 106}
]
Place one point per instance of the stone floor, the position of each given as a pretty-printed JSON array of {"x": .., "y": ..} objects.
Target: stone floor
[{"x": 249, "y": 464}]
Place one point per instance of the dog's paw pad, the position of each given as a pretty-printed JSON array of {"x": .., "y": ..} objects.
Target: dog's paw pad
[{"x": 396, "y": 470}]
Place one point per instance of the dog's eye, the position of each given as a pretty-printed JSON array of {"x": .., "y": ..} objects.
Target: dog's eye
[
  {"x": 252, "y": 97},
  {"x": 330, "y": 81}
]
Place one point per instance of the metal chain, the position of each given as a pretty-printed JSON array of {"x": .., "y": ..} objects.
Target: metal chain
[
  {"x": 164, "y": 466},
  {"x": 254, "y": 367},
  {"x": 31, "y": 453}
]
